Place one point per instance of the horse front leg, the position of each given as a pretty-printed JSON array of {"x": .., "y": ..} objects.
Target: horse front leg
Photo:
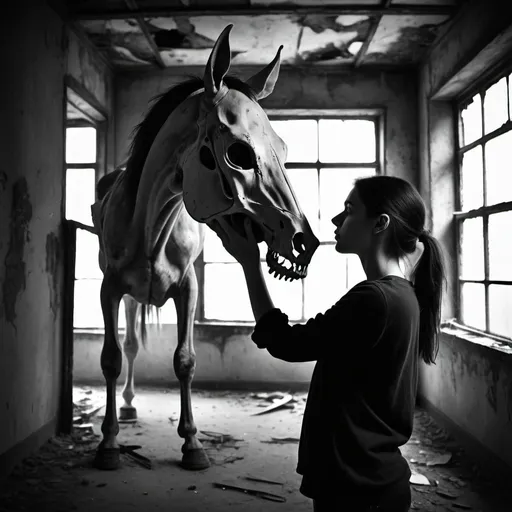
[
  {"x": 107, "y": 453},
  {"x": 130, "y": 348},
  {"x": 194, "y": 455}
]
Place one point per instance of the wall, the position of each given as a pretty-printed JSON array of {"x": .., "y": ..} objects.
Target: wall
[
  {"x": 394, "y": 92},
  {"x": 33, "y": 45},
  {"x": 93, "y": 78},
  {"x": 470, "y": 386},
  {"x": 224, "y": 356}
]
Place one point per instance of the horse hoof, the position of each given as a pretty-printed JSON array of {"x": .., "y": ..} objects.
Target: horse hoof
[
  {"x": 107, "y": 458},
  {"x": 127, "y": 413},
  {"x": 195, "y": 459}
]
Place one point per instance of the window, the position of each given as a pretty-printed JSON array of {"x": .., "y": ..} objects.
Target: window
[
  {"x": 82, "y": 168},
  {"x": 325, "y": 155},
  {"x": 81, "y": 171},
  {"x": 484, "y": 213}
]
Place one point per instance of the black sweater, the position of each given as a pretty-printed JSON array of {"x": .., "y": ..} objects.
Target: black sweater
[{"x": 361, "y": 399}]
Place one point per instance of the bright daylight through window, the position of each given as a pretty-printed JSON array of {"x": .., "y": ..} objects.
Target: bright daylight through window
[
  {"x": 325, "y": 156},
  {"x": 321, "y": 170},
  {"x": 485, "y": 216}
]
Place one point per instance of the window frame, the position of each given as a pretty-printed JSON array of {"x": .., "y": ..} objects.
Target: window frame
[
  {"x": 374, "y": 114},
  {"x": 484, "y": 211},
  {"x": 91, "y": 115}
]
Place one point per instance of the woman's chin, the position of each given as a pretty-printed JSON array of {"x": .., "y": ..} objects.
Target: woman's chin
[{"x": 342, "y": 248}]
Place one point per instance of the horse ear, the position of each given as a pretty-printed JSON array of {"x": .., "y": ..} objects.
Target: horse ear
[
  {"x": 218, "y": 63},
  {"x": 263, "y": 82}
]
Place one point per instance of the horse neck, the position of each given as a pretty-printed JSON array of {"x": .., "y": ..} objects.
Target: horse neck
[{"x": 162, "y": 163}]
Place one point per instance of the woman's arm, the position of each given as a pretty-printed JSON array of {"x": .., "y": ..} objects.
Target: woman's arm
[
  {"x": 261, "y": 302},
  {"x": 348, "y": 329}
]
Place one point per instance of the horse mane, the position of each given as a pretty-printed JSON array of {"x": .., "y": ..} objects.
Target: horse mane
[{"x": 164, "y": 104}]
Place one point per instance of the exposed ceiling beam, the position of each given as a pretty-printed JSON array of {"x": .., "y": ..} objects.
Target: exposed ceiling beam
[
  {"x": 132, "y": 5},
  {"x": 371, "y": 33},
  {"x": 367, "y": 10}
]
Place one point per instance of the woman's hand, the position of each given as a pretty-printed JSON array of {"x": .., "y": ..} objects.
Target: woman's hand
[{"x": 244, "y": 249}]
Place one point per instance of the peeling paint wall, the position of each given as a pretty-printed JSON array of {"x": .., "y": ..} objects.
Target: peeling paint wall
[
  {"x": 32, "y": 135},
  {"x": 31, "y": 152},
  {"x": 470, "y": 384},
  {"x": 89, "y": 70},
  {"x": 93, "y": 74}
]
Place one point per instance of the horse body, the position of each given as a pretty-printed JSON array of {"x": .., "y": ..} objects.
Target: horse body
[{"x": 205, "y": 150}]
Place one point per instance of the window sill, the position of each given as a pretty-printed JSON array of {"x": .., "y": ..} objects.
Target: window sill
[
  {"x": 236, "y": 327},
  {"x": 456, "y": 330}
]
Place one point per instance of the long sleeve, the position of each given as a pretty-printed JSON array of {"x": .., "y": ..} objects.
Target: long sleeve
[{"x": 361, "y": 313}]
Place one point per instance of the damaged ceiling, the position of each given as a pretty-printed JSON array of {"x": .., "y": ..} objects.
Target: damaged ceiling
[{"x": 168, "y": 33}]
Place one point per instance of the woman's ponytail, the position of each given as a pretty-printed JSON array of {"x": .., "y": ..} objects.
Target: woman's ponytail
[{"x": 429, "y": 277}]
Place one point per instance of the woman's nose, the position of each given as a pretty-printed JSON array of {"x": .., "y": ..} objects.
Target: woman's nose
[{"x": 337, "y": 221}]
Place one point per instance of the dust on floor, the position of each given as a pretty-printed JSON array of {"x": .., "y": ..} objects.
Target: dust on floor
[{"x": 244, "y": 448}]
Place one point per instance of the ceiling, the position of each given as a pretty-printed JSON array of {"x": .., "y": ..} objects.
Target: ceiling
[{"x": 152, "y": 34}]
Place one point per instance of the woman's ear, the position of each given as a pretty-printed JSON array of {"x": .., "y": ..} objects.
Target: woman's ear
[{"x": 381, "y": 224}]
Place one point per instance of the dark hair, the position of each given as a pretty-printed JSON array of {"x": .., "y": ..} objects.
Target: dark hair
[{"x": 402, "y": 202}]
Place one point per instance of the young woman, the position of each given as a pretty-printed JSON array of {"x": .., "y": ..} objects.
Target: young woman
[{"x": 367, "y": 346}]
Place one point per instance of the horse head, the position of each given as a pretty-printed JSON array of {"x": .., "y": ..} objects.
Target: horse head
[{"x": 235, "y": 166}]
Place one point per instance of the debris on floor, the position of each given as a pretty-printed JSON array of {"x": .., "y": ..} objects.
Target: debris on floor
[
  {"x": 263, "y": 480},
  {"x": 85, "y": 407},
  {"x": 249, "y": 452},
  {"x": 220, "y": 440},
  {"x": 252, "y": 492},
  {"x": 130, "y": 451},
  {"x": 277, "y": 401},
  {"x": 282, "y": 440}
]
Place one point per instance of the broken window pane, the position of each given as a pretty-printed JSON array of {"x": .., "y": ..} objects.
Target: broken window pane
[
  {"x": 301, "y": 137},
  {"x": 473, "y": 305},
  {"x": 304, "y": 183},
  {"x": 86, "y": 260},
  {"x": 350, "y": 140},
  {"x": 225, "y": 293},
  {"x": 498, "y": 169},
  {"x": 495, "y": 106},
  {"x": 335, "y": 186},
  {"x": 80, "y": 194},
  {"x": 472, "y": 181},
  {"x": 287, "y": 295},
  {"x": 500, "y": 246},
  {"x": 81, "y": 145},
  {"x": 500, "y": 305},
  {"x": 472, "y": 249},
  {"x": 326, "y": 281},
  {"x": 471, "y": 118}
]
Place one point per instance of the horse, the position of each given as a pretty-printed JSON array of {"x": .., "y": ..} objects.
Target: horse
[{"x": 204, "y": 150}]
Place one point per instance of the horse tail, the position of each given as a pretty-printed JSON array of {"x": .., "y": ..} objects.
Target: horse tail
[{"x": 147, "y": 312}]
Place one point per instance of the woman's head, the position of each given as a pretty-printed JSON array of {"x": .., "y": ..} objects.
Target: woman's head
[
  {"x": 381, "y": 207},
  {"x": 389, "y": 212}
]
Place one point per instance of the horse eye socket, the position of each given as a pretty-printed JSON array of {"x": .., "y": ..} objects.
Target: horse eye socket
[
  {"x": 241, "y": 155},
  {"x": 206, "y": 157}
]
